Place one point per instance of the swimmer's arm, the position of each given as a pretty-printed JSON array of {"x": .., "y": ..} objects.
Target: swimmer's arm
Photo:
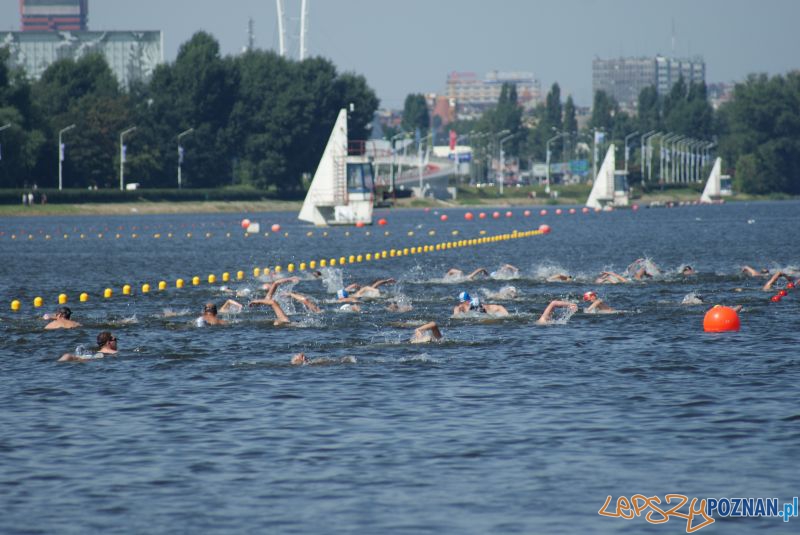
[
  {"x": 352, "y": 287},
  {"x": 477, "y": 272},
  {"x": 750, "y": 271},
  {"x": 381, "y": 282},
  {"x": 616, "y": 276},
  {"x": 498, "y": 310},
  {"x": 430, "y": 326},
  {"x": 280, "y": 315},
  {"x": 594, "y": 306},
  {"x": 278, "y": 282},
  {"x": 547, "y": 315},
  {"x": 70, "y": 357},
  {"x": 231, "y": 306},
  {"x": 772, "y": 280},
  {"x": 305, "y": 301}
]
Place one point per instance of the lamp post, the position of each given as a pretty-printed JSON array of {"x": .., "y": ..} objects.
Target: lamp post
[
  {"x": 650, "y": 139},
  {"x": 642, "y": 154},
  {"x": 8, "y": 125},
  {"x": 122, "y": 156},
  {"x": 547, "y": 161},
  {"x": 61, "y": 154},
  {"x": 627, "y": 150},
  {"x": 394, "y": 155},
  {"x": 180, "y": 153}
]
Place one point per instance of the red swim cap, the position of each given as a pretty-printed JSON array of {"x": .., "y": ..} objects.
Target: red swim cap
[{"x": 588, "y": 296}]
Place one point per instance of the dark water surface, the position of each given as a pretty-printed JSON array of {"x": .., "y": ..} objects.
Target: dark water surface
[{"x": 504, "y": 427}]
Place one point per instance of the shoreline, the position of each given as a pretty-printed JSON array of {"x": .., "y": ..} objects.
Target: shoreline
[{"x": 244, "y": 207}]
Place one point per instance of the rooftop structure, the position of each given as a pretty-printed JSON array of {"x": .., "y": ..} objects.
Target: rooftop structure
[{"x": 54, "y": 15}]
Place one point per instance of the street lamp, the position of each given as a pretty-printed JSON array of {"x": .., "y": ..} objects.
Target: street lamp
[
  {"x": 503, "y": 161},
  {"x": 122, "y": 156},
  {"x": 394, "y": 155},
  {"x": 547, "y": 161},
  {"x": 180, "y": 153},
  {"x": 61, "y": 153},
  {"x": 627, "y": 150}
]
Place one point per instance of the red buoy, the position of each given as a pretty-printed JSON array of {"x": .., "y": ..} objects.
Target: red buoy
[
  {"x": 276, "y": 228},
  {"x": 245, "y": 223},
  {"x": 468, "y": 216},
  {"x": 509, "y": 214},
  {"x": 721, "y": 319},
  {"x": 526, "y": 213},
  {"x": 542, "y": 212},
  {"x": 382, "y": 222},
  {"x": 496, "y": 215},
  {"x": 482, "y": 215},
  {"x": 443, "y": 217},
  {"x": 359, "y": 224},
  {"x": 558, "y": 211},
  {"x": 775, "y": 298},
  {"x": 544, "y": 229},
  {"x": 572, "y": 210},
  {"x": 783, "y": 293}
]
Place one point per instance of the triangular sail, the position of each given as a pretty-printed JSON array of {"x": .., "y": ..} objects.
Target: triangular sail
[
  {"x": 328, "y": 188},
  {"x": 713, "y": 189},
  {"x": 603, "y": 188}
]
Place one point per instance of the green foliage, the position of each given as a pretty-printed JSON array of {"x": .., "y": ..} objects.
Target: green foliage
[{"x": 415, "y": 114}]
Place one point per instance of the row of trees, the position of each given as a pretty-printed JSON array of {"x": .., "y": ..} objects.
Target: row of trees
[{"x": 257, "y": 119}]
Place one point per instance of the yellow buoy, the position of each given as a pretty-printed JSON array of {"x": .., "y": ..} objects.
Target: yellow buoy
[
  {"x": 342, "y": 261},
  {"x": 256, "y": 272},
  {"x": 332, "y": 262},
  {"x": 195, "y": 281},
  {"x": 302, "y": 266},
  {"x": 15, "y": 304},
  {"x": 369, "y": 257},
  {"x": 107, "y": 293},
  {"x": 359, "y": 258},
  {"x": 212, "y": 279},
  {"x": 322, "y": 263},
  {"x": 84, "y": 297},
  {"x": 352, "y": 259},
  {"x": 145, "y": 288},
  {"x": 179, "y": 283},
  {"x": 126, "y": 290},
  {"x": 278, "y": 269},
  {"x": 62, "y": 298},
  {"x": 239, "y": 275},
  {"x": 226, "y": 277},
  {"x": 37, "y": 301},
  {"x": 312, "y": 264},
  {"x": 162, "y": 285},
  {"x": 410, "y": 232},
  {"x": 290, "y": 268}
]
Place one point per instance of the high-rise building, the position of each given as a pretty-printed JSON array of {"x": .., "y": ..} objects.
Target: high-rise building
[
  {"x": 624, "y": 78},
  {"x": 54, "y": 15},
  {"x": 473, "y": 95}
]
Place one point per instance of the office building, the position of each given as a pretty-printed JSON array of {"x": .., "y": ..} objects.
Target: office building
[
  {"x": 54, "y": 15},
  {"x": 473, "y": 95},
  {"x": 624, "y": 78}
]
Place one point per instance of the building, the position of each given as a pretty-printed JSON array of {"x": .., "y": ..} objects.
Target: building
[
  {"x": 132, "y": 55},
  {"x": 624, "y": 78},
  {"x": 473, "y": 95},
  {"x": 54, "y": 15}
]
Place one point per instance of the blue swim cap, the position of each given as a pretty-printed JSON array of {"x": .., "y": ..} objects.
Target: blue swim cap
[
  {"x": 341, "y": 294},
  {"x": 464, "y": 297}
]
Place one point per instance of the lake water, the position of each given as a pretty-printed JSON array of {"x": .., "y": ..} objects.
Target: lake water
[{"x": 503, "y": 427}]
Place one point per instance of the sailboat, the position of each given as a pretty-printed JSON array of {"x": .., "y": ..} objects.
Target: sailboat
[
  {"x": 341, "y": 192},
  {"x": 610, "y": 186},
  {"x": 717, "y": 186}
]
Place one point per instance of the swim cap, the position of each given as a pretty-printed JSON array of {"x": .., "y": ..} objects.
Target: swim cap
[
  {"x": 589, "y": 295},
  {"x": 464, "y": 297},
  {"x": 341, "y": 294}
]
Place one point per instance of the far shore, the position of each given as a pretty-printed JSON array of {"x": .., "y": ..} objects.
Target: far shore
[{"x": 211, "y": 207}]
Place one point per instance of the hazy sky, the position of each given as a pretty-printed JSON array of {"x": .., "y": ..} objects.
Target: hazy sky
[{"x": 409, "y": 46}]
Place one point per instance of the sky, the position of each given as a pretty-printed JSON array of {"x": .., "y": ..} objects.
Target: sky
[{"x": 409, "y": 46}]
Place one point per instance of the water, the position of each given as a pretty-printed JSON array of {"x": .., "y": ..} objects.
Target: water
[{"x": 504, "y": 427}]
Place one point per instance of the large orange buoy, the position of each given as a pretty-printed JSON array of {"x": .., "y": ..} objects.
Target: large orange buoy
[
  {"x": 720, "y": 319},
  {"x": 245, "y": 223},
  {"x": 468, "y": 216},
  {"x": 443, "y": 217},
  {"x": 545, "y": 229},
  {"x": 382, "y": 222}
]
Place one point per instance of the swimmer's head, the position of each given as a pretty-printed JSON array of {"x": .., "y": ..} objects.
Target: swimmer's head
[
  {"x": 210, "y": 308},
  {"x": 341, "y": 294},
  {"x": 687, "y": 269},
  {"x": 64, "y": 312},
  {"x": 104, "y": 338},
  {"x": 589, "y": 296},
  {"x": 463, "y": 297}
]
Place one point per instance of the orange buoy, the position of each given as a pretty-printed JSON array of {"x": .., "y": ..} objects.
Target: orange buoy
[
  {"x": 558, "y": 211},
  {"x": 543, "y": 212},
  {"x": 783, "y": 293},
  {"x": 245, "y": 223},
  {"x": 790, "y": 285},
  {"x": 720, "y": 319},
  {"x": 509, "y": 214},
  {"x": 545, "y": 229},
  {"x": 775, "y": 298},
  {"x": 496, "y": 215},
  {"x": 482, "y": 215},
  {"x": 381, "y": 221},
  {"x": 526, "y": 213},
  {"x": 276, "y": 227},
  {"x": 468, "y": 216},
  {"x": 443, "y": 217},
  {"x": 572, "y": 210},
  {"x": 585, "y": 210}
]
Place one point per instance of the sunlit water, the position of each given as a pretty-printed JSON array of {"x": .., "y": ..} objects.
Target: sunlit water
[{"x": 503, "y": 427}]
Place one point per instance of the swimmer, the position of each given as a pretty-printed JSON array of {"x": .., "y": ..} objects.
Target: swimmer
[
  {"x": 370, "y": 290},
  {"x": 455, "y": 273},
  {"x": 559, "y": 277},
  {"x": 639, "y": 269},
  {"x": 231, "y": 307},
  {"x": 300, "y": 359},
  {"x": 506, "y": 292},
  {"x": 306, "y": 302},
  {"x": 473, "y": 304},
  {"x": 106, "y": 345},
  {"x": 426, "y": 333},
  {"x": 399, "y": 304},
  {"x": 753, "y": 273},
  {"x": 62, "y": 320},
  {"x": 350, "y": 304},
  {"x": 609, "y": 277},
  {"x": 688, "y": 271},
  {"x": 597, "y": 306},
  {"x": 506, "y": 271},
  {"x": 547, "y": 316},
  {"x": 280, "y": 316},
  {"x": 209, "y": 316},
  {"x": 772, "y": 280}
]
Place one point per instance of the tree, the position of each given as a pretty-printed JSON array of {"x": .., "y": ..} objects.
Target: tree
[
  {"x": 649, "y": 110},
  {"x": 415, "y": 114},
  {"x": 570, "y": 121},
  {"x": 604, "y": 109}
]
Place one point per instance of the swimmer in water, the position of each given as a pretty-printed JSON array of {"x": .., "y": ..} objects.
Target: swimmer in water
[
  {"x": 306, "y": 302},
  {"x": 370, "y": 290},
  {"x": 455, "y": 273},
  {"x": 772, "y": 280},
  {"x": 506, "y": 271},
  {"x": 349, "y": 303},
  {"x": 280, "y": 316},
  {"x": 62, "y": 320},
  {"x": 106, "y": 345},
  {"x": 609, "y": 277},
  {"x": 469, "y": 304},
  {"x": 428, "y": 332},
  {"x": 688, "y": 271},
  {"x": 231, "y": 307},
  {"x": 559, "y": 277},
  {"x": 209, "y": 316},
  {"x": 300, "y": 359},
  {"x": 597, "y": 304},
  {"x": 639, "y": 269},
  {"x": 547, "y": 316}
]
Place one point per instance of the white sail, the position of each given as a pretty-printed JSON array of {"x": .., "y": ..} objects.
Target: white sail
[
  {"x": 329, "y": 186},
  {"x": 713, "y": 189},
  {"x": 603, "y": 189}
]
